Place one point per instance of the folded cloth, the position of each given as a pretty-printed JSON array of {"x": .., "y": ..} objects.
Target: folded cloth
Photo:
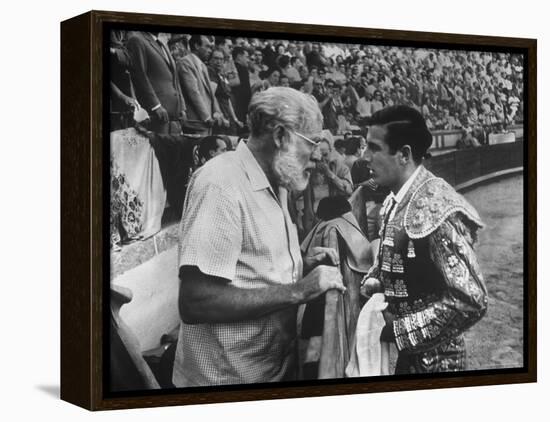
[
  {"x": 358, "y": 253},
  {"x": 370, "y": 356}
]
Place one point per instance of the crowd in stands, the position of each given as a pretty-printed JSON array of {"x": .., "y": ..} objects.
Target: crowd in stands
[
  {"x": 195, "y": 88},
  {"x": 454, "y": 89}
]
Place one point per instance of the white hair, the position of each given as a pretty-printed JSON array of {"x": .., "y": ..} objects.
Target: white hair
[{"x": 287, "y": 107}]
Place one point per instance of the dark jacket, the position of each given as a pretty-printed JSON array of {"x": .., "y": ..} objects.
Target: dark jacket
[{"x": 155, "y": 78}]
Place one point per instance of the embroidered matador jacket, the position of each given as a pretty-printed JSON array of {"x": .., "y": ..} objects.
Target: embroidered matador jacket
[{"x": 429, "y": 274}]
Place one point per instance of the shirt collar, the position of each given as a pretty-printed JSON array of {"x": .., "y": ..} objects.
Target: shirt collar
[
  {"x": 405, "y": 188},
  {"x": 252, "y": 168}
]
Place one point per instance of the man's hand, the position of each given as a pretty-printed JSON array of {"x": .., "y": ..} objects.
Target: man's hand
[
  {"x": 317, "y": 282},
  {"x": 130, "y": 102},
  {"x": 218, "y": 118},
  {"x": 323, "y": 167},
  {"x": 371, "y": 286},
  {"x": 161, "y": 114},
  {"x": 319, "y": 255}
]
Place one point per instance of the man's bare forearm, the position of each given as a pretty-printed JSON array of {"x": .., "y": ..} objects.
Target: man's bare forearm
[{"x": 207, "y": 299}]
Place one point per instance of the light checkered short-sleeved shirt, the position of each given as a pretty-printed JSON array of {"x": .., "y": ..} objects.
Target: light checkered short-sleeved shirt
[{"x": 234, "y": 227}]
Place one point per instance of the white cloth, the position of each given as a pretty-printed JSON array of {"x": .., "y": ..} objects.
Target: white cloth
[
  {"x": 370, "y": 356},
  {"x": 134, "y": 158}
]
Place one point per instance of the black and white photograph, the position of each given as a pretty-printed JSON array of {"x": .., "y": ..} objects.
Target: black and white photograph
[
  {"x": 276, "y": 212},
  {"x": 300, "y": 209}
]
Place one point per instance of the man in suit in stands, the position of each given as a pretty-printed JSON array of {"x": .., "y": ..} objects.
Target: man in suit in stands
[
  {"x": 156, "y": 82},
  {"x": 222, "y": 92},
  {"x": 202, "y": 108},
  {"x": 242, "y": 92}
]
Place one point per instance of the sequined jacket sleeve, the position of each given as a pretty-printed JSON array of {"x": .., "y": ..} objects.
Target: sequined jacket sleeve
[{"x": 464, "y": 298}]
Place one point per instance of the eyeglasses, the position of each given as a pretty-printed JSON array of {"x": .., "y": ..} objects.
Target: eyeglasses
[{"x": 311, "y": 141}]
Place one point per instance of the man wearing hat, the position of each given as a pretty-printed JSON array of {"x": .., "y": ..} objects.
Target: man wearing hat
[{"x": 426, "y": 265}]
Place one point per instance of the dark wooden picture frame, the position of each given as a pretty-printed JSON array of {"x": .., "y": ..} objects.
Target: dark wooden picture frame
[{"x": 84, "y": 217}]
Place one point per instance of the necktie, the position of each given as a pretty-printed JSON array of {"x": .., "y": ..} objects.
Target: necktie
[
  {"x": 164, "y": 52},
  {"x": 389, "y": 210}
]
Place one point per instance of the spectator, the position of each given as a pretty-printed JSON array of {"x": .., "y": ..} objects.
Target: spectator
[
  {"x": 377, "y": 102},
  {"x": 513, "y": 104},
  {"x": 453, "y": 121},
  {"x": 256, "y": 66},
  {"x": 202, "y": 107},
  {"x": 292, "y": 71},
  {"x": 122, "y": 102},
  {"x": 242, "y": 92},
  {"x": 223, "y": 93},
  {"x": 210, "y": 147},
  {"x": 467, "y": 140},
  {"x": 270, "y": 78},
  {"x": 333, "y": 107},
  {"x": 284, "y": 81},
  {"x": 340, "y": 147},
  {"x": 319, "y": 92},
  {"x": 269, "y": 55},
  {"x": 333, "y": 172},
  {"x": 355, "y": 146},
  {"x": 156, "y": 82},
  {"x": 339, "y": 74},
  {"x": 273, "y": 76},
  {"x": 314, "y": 57},
  {"x": 292, "y": 50}
]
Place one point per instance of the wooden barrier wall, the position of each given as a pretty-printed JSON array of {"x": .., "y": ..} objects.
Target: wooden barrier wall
[{"x": 459, "y": 166}]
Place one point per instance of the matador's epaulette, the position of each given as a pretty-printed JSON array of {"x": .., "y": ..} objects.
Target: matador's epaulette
[{"x": 431, "y": 204}]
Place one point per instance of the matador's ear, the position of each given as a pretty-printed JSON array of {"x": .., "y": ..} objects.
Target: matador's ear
[{"x": 406, "y": 153}]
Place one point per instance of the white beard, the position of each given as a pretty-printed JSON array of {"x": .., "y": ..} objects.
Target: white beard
[{"x": 289, "y": 172}]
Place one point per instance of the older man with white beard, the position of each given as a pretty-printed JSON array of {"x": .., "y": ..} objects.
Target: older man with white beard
[{"x": 239, "y": 261}]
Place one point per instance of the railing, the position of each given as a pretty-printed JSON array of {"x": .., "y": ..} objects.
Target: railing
[
  {"x": 460, "y": 166},
  {"x": 448, "y": 138}
]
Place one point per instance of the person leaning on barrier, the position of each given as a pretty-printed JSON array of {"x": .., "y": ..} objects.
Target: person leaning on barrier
[
  {"x": 239, "y": 258},
  {"x": 203, "y": 111},
  {"x": 426, "y": 265},
  {"x": 156, "y": 82}
]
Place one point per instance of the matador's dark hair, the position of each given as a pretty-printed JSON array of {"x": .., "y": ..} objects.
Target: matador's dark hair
[{"x": 404, "y": 126}]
